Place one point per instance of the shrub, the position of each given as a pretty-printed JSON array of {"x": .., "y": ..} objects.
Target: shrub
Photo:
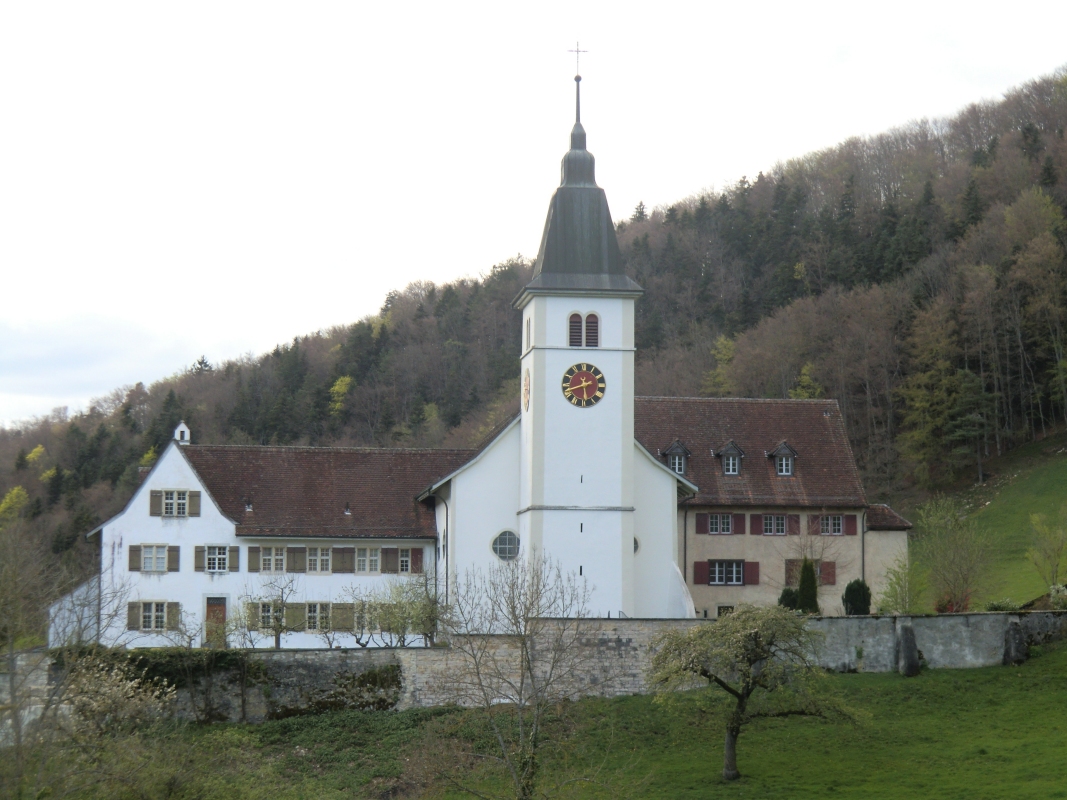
[
  {"x": 1007, "y": 604},
  {"x": 1057, "y": 597},
  {"x": 857, "y": 598},
  {"x": 808, "y": 591},
  {"x": 788, "y": 598}
]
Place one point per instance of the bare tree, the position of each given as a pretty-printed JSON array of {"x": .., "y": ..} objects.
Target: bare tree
[
  {"x": 762, "y": 658},
  {"x": 904, "y": 586},
  {"x": 1048, "y": 546},
  {"x": 516, "y": 633},
  {"x": 273, "y": 606},
  {"x": 955, "y": 553}
]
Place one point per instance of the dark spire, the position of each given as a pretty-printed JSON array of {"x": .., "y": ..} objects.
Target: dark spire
[{"x": 579, "y": 251}]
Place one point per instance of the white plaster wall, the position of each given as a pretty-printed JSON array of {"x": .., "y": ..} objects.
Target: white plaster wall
[
  {"x": 191, "y": 588},
  {"x": 655, "y": 526},
  {"x": 484, "y": 499},
  {"x": 881, "y": 551}
]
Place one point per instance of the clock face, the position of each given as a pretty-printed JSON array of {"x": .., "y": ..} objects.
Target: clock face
[
  {"x": 583, "y": 385},
  {"x": 526, "y": 390}
]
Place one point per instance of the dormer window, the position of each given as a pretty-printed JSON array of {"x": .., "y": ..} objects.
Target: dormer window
[
  {"x": 731, "y": 456},
  {"x": 783, "y": 456},
  {"x": 677, "y": 457},
  {"x": 583, "y": 332}
]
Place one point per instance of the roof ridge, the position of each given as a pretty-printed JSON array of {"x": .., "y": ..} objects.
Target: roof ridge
[{"x": 332, "y": 448}]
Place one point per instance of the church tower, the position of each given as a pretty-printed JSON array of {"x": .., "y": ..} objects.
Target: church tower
[{"x": 577, "y": 419}]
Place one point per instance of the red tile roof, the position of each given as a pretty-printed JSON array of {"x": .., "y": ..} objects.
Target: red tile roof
[
  {"x": 825, "y": 472},
  {"x": 882, "y": 518},
  {"x": 302, "y": 491}
]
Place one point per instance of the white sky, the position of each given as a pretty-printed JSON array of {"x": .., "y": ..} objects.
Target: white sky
[{"x": 217, "y": 177}]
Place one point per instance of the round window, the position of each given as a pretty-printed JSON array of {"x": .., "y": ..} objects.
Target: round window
[{"x": 506, "y": 546}]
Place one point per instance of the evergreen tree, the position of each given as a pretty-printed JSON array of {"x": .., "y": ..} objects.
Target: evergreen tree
[
  {"x": 857, "y": 598},
  {"x": 968, "y": 427},
  {"x": 20, "y": 460},
  {"x": 808, "y": 591},
  {"x": 640, "y": 214},
  {"x": 1048, "y": 178},
  {"x": 972, "y": 206},
  {"x": 1031, "y": 141},
  {"x": 788, "y": 598}
]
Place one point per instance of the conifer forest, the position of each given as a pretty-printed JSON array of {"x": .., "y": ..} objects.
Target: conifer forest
[{"x": 918, "y": 277}]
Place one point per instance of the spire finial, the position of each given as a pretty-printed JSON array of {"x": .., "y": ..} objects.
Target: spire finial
[{"x": 577, "y": 99}]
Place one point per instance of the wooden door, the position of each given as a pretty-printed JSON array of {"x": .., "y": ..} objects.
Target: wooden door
[{"x": 215, "y": 622}]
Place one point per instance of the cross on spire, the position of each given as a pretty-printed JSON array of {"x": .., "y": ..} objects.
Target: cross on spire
[{"x": 577, "y": 56}]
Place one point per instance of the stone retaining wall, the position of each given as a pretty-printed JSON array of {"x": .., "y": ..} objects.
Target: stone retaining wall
[{"x": 292, "y": 680}]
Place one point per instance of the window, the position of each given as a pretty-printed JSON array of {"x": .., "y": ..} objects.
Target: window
[
  {"x": 726, "y": 573},
  {"x": 154, "y": 558},
  {"x": 267, "y": 616},
  {"x": 216, "y": 559},
  {"x": 506, "y": 546},
  {"x": 318, "y": 616},
  {"x": 720, "y": 523},
  {"x": 318, "y": 559},
  {"x": 528, "y": 333},
  {"x": 272, "y": 559},
  {"x": 153, "y": 616},
  {"x": 784, "y": 465},
  {"x": 592, "y": 331},
  {"x": 575, "y": 330},
  {"x": 677, "y": 463},
  {"x": 367, "y": 559},
  {"x": 831, "y": 525},
  {"x": 722, "y": 611},
  {"x": 774, "y": 525},
  {"x": 175, "y": 503},
  {"x": 405, "y": 559},
  {"x": 731, "y": 465}
]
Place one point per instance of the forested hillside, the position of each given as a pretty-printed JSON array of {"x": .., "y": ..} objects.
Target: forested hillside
[{"x": 918, "y": 276}]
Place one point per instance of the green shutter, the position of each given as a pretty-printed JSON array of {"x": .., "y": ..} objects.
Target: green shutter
[
  {"x": 296, "y": 559},
  {"x": 253, "y": 559},
  {"x": 390, "y": 560},
  {"x": 135, "y": 558},
  {"x": 295, "y": 616},
  {"x": 133, "y": 616},
  {"x": 252, "y": 616},
  {"x": 155, "y": 503},
  {"x": 194, "y": 504},
  {"x": 199, "y": 557},
  {"x": 174, "y": 616},
  {"x": 343, "y": 616},
  {"x": 174, "y": 559},
  {"x": 233, "y": 560}
]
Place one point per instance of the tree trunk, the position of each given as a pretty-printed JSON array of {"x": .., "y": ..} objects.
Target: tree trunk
[{"x": 729, "y": 754}]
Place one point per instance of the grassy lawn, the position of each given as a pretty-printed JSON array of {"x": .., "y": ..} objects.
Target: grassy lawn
[{"x": 985, "y": 733}]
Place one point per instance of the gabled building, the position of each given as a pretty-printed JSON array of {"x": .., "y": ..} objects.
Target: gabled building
[{"x": 666, "y": 507}]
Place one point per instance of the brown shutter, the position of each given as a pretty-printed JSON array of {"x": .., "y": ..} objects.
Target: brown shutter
[
  {"x": 295, "y": 616},
  {"x": 253, "y": 559},
  {"x": 174, "y": 559},
  {"x": 133, "y": 616},
  {"x": 592, "y": 331},
  {"x": 344, "y": 559},
  {"x": 252, "y": 615},
  {"x": 416, "y": 560},
  {"x": 850, "y": 524},
  {"x": 576, "y": 330},
  {"x": 703, "y": 523},
  {"x": 155, "y": 503},
  {"x": 701, "y": 573},
  {"x": 827, "y": 573},
  {"x": 792, "y": 572},
  {"x": 814, "y": 524},
  {"x": 390, "y": 560},
  {"x": 750, "y": 573},
  {"x": 792, "y": 524},
  {"x": 757, "y": 525},
  {"x": 296, "y": 559},
  {"x": 174, "y": 616},
  {"x": 199, "y": 556},
  {"x": 343, "y": 616},
  {"x": 233, "y": 560},
  {"x": 135, "y": 558},
  {"x": 194, "y": 504},
  {"x": 738, "y": 524}
]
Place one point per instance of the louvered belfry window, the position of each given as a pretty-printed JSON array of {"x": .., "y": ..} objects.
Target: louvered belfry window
[
  {"x": 592, "y": 331},
  {"x": 576, "y": 330}
]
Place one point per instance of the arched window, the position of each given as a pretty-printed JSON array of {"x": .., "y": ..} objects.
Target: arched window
[
  {"x": 592, "y": 331},
  {"x": 576, "y": 330},
  {"x": 506, "y": 546}
]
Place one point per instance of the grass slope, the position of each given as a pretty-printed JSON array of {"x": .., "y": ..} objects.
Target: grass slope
[
  {"x": 1030, "y": 479},
  {"x": 968, "y": 734}
]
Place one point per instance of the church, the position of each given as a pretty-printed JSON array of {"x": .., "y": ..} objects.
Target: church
[{"x": 665, "y": 507}]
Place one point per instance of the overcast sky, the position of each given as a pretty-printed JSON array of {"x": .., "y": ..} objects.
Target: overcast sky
[{"x": 179, "y": 179}]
